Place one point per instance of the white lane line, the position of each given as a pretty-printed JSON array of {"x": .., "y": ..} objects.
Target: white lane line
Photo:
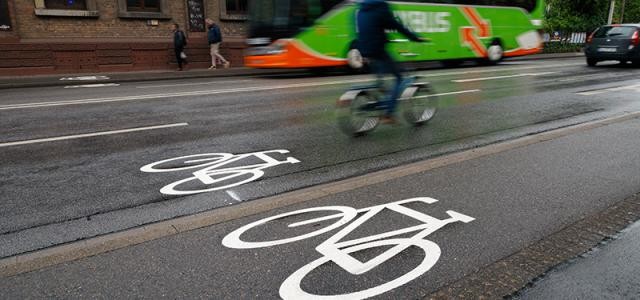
[
  {"x": 238, "y": 90},
  {"x": 91, "y": 85},
  {"x": 635, "y": 87},
  {"x": 170, "y": 95},
  {"x": 189, "y": 84},
  {"x": 447, "y": 94},
  {"x": 498, "y": 69},
  {"x": 502, "y": 77},
  {"x": 78, "y": 136}
]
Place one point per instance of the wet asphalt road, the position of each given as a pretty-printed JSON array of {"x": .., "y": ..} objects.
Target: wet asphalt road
[
  {"x": 517, "y": 197},
  {"x": 60, "y": 191}
]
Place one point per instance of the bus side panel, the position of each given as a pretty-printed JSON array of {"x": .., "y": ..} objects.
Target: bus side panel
[
  {"x": 332, "y": 34},
  {"x": 456, "y": 32}
]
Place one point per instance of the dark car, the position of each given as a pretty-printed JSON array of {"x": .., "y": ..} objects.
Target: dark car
[{"x": 614, "y": 42}]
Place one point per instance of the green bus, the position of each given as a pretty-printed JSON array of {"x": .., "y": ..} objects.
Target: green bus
[{"x": 321, "y": 33}]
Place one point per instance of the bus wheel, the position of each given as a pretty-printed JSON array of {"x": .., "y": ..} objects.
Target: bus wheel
[
  {"x": 355, "y": 60},
  {"x": 495, "y": 53}
]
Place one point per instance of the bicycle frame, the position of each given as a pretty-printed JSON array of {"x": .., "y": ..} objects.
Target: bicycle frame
[
  {"x": 333, "y": 249},
  {"x": 204, "y": 174},
  {"x": 213, "y": 164},
  {"x": 339, "y": 251}
]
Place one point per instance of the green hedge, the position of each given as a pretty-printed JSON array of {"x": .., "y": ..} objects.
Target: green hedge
[{"x": 561, "y": 47}]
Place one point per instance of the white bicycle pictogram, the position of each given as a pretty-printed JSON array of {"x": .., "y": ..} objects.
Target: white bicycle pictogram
[
  {"x": 212, "y": 172},
  {"x": 339, "y": 252}
]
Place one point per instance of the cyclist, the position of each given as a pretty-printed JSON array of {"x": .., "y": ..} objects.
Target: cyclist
[{"x": 373, "y": 19}]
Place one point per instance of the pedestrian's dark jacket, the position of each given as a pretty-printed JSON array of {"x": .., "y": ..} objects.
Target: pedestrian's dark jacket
[
  {"x": 179, "y": 39},
  {"x": 373, "y": 19},
  {"x": 214, "y": 34}
]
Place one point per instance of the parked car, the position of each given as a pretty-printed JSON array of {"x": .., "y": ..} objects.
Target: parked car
[{"x": 614, "y": 42}]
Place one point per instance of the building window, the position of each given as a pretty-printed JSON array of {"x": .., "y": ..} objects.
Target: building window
[
  {"x": 143, "y": 5},
  {"x": 66, "y": 4},
  {"x": 66, "y": 8},
  {"x": 233, "y": 9},
  {"x": 144, "y": 9},
  {"x": 5, "y": 17},
  {"x": 237, "y": 7}
]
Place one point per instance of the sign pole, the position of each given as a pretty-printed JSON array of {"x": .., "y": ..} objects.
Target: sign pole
[{"x": 611, "y": 10}]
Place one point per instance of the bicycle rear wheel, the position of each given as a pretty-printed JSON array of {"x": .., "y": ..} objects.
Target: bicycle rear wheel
[
  {"x": 352, "y": 119},
  {"x": 419, "y": 103}
]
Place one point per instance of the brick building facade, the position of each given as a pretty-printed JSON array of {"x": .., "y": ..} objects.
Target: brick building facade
[{"x": 78, "y": 36}]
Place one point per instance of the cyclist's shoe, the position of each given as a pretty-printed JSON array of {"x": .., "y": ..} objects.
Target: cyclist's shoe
[
  {"x": 388, "y": 120},
  {"x": 373, "y": 106}
]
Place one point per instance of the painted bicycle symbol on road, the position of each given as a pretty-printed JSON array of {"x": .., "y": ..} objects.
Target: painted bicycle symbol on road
[
  {"x": 216, "y": 171},
  {"x": 340, "y": 252}
]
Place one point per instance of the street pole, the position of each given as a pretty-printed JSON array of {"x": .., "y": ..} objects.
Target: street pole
[
  {"x": 624, "y": 3},
  {"x": 611, "y": 9}
]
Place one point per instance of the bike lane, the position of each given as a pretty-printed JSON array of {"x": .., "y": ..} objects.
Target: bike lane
[{"x": 516, "y": 197}]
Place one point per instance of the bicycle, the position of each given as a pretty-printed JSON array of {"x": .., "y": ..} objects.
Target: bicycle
[
  {"x": 418, "y": 103},
  {"x": 212, "y": 174},
  {"x": 333, "y": 249}
]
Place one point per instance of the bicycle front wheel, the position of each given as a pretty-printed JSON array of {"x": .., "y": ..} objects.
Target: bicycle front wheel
[
  {"x": 352, "y": 118},
  {"x": 291, "y": 288},
  {"x": 419, "y": 103},
  {"x": 215, "y": 181}
]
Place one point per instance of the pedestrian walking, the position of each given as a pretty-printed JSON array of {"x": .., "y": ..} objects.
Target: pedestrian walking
[
  {"x": 179, "y": 42},
  {"x": 215, "y": 38}
]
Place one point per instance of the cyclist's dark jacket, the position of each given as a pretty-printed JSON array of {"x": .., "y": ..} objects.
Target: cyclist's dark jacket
[{"x": 373, "y": 18}]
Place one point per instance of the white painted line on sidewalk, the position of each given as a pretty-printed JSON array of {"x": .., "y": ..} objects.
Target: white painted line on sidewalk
[
  {"x": 91, "y": 85},
  {"x": 189, "y": 84},
  {"x": 502, "y": 77},
  {"x": 78, "y": 136},
  {"x": 81, "y": 78},
  {"x": 238, "y": 90}
]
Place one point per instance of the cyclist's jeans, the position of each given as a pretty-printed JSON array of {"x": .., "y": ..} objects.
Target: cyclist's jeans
[{"x": 385, "y": 65}]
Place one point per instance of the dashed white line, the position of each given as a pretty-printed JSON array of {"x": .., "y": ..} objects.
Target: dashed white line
[
  {"x": 447, "y": 94},
  {"x": 78, "y": 136},
  {"x": 234, "y": 196},
  {"x": 635, "y": 87},
  {"x": 502, "y": 77},
  {"x": 189, "y": 84}
]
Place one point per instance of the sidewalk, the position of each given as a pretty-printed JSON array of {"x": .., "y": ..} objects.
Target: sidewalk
[
  {"x": 55, "y": 80},
  {"x": 519, "y": 193},
  {"x": 138, "y": 76},
  {"x": 611, "y": 271}
]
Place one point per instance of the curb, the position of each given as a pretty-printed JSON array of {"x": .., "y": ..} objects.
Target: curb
[
  {"x": 27, "y": 262},
  {"x": 138, "y": 77}
]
